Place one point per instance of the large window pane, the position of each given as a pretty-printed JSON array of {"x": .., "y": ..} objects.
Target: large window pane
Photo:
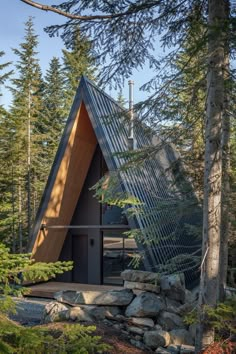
[
  {"x": 119, "y": 253},
  {"x": 113, "y": 257}
]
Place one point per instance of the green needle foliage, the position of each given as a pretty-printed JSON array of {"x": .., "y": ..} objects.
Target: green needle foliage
[
  {"x": 222, "y": 318},
  {"x": 77, "y": 61},
  {"x": 73, "y": 339},
  {"x": 15, "y": 269}
]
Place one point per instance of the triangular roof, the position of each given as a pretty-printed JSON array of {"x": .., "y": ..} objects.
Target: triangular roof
[{"x": 95, "y": 118}]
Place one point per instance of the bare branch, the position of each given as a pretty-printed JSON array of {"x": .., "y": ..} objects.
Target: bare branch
[{"x": 80, "y": 17}]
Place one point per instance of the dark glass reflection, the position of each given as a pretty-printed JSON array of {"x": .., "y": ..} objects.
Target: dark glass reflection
[{"x": 118, "y": 253}]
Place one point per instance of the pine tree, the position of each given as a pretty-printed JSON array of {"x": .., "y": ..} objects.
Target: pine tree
[
  {"x": 54, "y": 109},
  {"x": 7, "y": 229},
  {"x": 26, "y": 110},
  {"x": 77, "y": 61}
]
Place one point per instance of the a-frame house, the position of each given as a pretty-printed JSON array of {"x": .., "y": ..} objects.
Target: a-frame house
[{"x": 72, "y": 225}]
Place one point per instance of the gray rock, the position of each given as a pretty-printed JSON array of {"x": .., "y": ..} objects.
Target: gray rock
[
  {"x": 192, "y": 330},
  {"x": 141, "y": 276},
  {"x": 79, "y": 315},
  {"x": 138, "y": 338},
  {"x": 54, "y": 312},
  {"x": 170, "y": 321},
  {"x": 172, "y": 305},
  {"x": 155, "y": 339},
  {"x": 101, "y": 312},
  {"x": 112, "y": 297},
  {"x": 187, "y": 349},
  {"x": 28, "y": 310},
  {"x": 145, "y": 305},
  {"x": 117, "y": 326},
  {"x": 142, "y": 286},
  {"x": 120, "y": 318},
  {"x": 180, "y": 336},
  {"x": 173, "y": 349},
  {"x": 161, "y": 350},
  {"x": 173, "y": 286},
  {"x": 135, "y": 330},
  {"x": 186, "y": 308},
  {"x": 137, "y": 344},
  {"x": 189, "y": 297},
  {"x": 158, "y": 327},
  {"x": 146, "y": 322},
  {"x": 125, "y": 333}
]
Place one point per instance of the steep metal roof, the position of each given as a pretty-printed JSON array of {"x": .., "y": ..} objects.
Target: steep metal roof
[{"x": 152, "y": 182}]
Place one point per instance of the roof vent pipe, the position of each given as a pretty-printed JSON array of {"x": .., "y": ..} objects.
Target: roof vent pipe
[{"x": 131, "y": 140}]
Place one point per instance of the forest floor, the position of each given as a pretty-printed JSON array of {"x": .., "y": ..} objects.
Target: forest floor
[
  {"x": 116, "y": 341},
  {"x": 109, "y": 336}
]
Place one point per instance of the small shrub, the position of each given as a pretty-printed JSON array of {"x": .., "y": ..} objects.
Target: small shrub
[{"x": 221, "y": 347}]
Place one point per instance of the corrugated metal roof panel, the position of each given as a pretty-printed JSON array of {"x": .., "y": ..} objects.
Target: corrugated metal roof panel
[{"x": 151, "y": 182}]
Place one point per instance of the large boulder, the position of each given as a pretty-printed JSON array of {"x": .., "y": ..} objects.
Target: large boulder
[
  {"x": 142, "y": 286},
  {"x": 173, "y": 286},
  {"x": 54, "y": 312},
  {"x": 180, "y": 336},
  {"x": 140, "y": 276},
  {"x": 101, "y": 312},
  {"x": 170, "y": 321},
  {"x": 155, "y": 339},
  {"x": 112, "y": 297},
  {"x": 145, "y": 305}
]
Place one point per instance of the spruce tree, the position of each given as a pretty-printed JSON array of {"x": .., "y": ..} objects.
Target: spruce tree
[
  {"x": 7, "y": 229},
  {"x": 77, "y": 61},
  {"x": 54, "y": 108},
  {"x": 26, "y": 110}
]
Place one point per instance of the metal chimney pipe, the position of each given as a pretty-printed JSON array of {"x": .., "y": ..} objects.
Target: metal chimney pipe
[{"x": 131, "y": 112}]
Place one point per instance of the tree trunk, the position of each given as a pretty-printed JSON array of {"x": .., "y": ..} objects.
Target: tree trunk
[
  {"x": 225, "y": 175},
  {"x": 213, "y": 172},
  {"x": 29, "y": 164},
  {"x": 20, "y": 216},
  {"x": 13, "y": 209}
]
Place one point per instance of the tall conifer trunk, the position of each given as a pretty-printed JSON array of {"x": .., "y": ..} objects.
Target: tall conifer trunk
[
  {"x": 213, "y": 171},
  {"x": 29, "y": 163},
  {"x": 20, "y": 216},
  {"x": 225, "y": 173}
]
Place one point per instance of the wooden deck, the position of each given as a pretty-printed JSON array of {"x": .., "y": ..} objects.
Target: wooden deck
[{"x": 46, "y": 290}]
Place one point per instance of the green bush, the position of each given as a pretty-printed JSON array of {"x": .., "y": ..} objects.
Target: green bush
[
  {"x": 222, "y": 318},
  {"x": 16, "y": 339},
  {"x": 66, "y": 339}
]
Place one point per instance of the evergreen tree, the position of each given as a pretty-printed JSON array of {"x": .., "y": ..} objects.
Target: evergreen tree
[
  {"x": 7, "y": 230},
  {"x": 54, "y": 109},
  {"x": 78, "y": 61},
  {"x": 26, "y": 111}
]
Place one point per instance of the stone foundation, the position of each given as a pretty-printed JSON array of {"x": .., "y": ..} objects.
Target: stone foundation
[{"x": 148, "y": 311}]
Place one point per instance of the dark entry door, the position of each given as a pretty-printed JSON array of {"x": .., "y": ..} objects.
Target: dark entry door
[{"x": 80, "y": 258}]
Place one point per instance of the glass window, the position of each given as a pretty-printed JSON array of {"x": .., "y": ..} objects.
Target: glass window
[{"x": 118, "y": 254}]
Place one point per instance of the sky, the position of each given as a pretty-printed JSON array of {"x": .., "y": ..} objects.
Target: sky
[{"x": 14, "y": 14}]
